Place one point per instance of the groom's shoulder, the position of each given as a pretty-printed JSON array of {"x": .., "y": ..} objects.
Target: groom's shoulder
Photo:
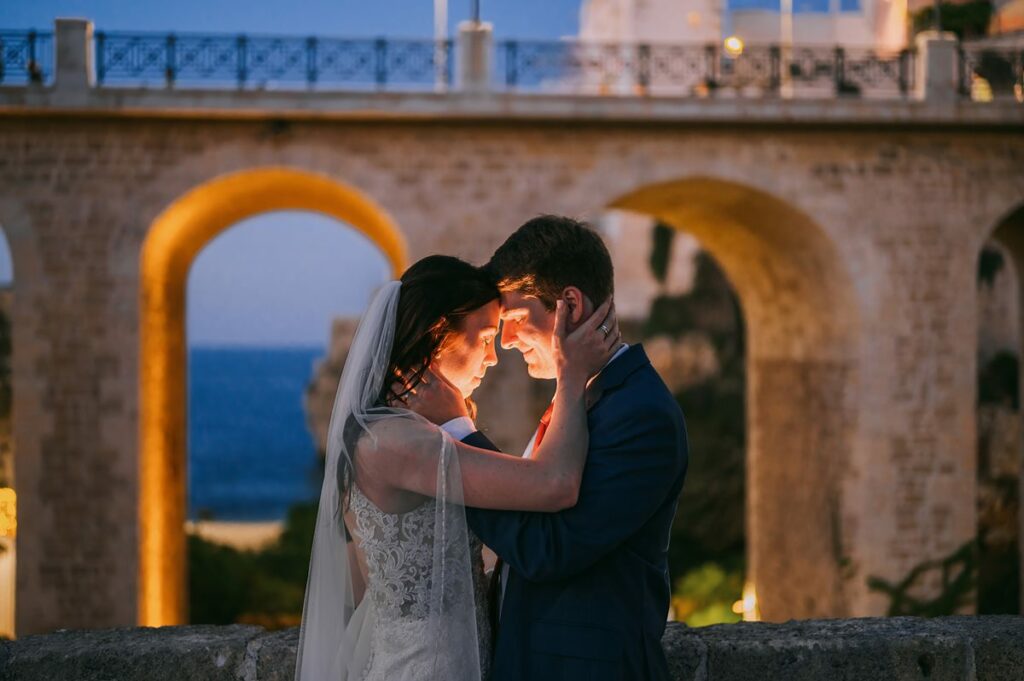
[
  {"x": 640, "y": 390},
  {"x": 641, "y": 409},
  {"x": 646, "y": 391}
]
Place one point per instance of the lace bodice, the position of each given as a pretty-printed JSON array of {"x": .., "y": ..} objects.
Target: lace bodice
[{"x": 399, "y": 551}]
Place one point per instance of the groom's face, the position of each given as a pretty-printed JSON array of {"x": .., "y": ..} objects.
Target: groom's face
[{"x": 528, "y": 326}]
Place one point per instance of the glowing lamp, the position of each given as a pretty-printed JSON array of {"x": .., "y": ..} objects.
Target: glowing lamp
[{"x": 733, "y": 46}]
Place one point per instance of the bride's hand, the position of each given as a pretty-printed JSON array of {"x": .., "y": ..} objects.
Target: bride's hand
[{"x": 584, "y": 352}]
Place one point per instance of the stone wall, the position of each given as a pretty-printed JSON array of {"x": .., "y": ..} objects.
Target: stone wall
[{"x": 896, "y": 649}]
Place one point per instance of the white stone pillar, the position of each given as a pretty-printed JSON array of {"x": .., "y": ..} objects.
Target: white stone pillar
[
  {"x": 935, "y": 77},
  {"x": 74, "y": 75},
  {"x": 475, "y": 49}
]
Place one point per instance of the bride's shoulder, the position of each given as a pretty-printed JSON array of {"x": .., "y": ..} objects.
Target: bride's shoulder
[{"x": 395, "y": 434}]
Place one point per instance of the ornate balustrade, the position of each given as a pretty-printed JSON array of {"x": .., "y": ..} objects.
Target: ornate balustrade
[{"x": 200, "y": 61}]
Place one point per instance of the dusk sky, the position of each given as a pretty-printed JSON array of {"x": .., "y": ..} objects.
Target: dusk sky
[
  {"x": 409, "y": 18},
  {"x": 278, "y": 279}
]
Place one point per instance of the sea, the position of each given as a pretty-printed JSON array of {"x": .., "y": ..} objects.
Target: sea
[{"x": 250, "y": 454}]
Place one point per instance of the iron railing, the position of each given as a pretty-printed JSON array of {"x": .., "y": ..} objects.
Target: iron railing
[
  {"x": 255, "y": 62},
  {"x": 26, "y": 57},
  {"x": 991, "y": 72},
  {"x": 196, "y": 60},
  {"x": 701, "y": 70}
]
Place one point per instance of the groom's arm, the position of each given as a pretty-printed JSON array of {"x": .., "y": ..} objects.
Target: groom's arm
[{"x": 623, "y": 485}]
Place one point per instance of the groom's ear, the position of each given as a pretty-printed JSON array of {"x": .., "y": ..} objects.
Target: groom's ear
[{"x": 576, "y": 302}]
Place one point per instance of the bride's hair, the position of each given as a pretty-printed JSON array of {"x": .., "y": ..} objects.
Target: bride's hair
[{"x": 436, "y": 295}]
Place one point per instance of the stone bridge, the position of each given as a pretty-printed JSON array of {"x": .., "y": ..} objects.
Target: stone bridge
[{"x": 850, "y": 228}]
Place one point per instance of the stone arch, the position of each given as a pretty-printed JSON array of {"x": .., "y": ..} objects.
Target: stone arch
[
  {"x": 1008, "y": 232},
  {"x": 802, "y": 317},
  {"x": 173, "y": 241}
]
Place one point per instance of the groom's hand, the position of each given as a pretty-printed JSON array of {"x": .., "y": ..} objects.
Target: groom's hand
[{"x": 436, "y": 399}]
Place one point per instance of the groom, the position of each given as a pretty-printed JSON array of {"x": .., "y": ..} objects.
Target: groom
[{"x": 583, "y": 593}]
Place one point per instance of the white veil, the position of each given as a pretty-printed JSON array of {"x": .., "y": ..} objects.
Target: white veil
[{"x": 434, "y": 620}]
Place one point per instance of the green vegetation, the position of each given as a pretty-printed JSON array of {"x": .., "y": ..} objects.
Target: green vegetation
[
  {"x": 705, "y": 595},
  {"x": 708, "y": 546},
  {"x": 255, "y": 587},
  {"x": 998, "y": 552}
]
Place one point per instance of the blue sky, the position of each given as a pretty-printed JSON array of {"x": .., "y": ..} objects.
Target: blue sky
[
  {"x": 279, "y": 278},
  {"x": 511, "y": 18}
]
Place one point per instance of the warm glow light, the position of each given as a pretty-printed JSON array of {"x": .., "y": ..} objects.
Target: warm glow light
[
  {"x": 733, "y": 46},
  {"x": 8, "y": 512},
  {"x": 748, "y": 605},
  {"x": 174, "y": 239},
  {"x": 981, "y": 89}
]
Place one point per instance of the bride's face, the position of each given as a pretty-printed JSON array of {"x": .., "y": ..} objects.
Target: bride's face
[{"x": 467, "y": 354}]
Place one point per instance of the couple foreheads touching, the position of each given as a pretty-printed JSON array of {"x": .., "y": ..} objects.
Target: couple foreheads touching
[{"x": 416, "y": 501}]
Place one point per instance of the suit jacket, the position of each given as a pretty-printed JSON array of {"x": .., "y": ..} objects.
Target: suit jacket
[{"x": 588, "y": 588}]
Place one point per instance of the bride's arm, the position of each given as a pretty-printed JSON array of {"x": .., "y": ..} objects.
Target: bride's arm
[{"x": 547, "y": 481}]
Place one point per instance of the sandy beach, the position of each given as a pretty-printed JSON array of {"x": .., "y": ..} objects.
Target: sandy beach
[{"x": 239, "y": 535}]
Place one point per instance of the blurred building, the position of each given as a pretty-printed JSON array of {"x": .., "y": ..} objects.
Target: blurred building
[
  {"x": 1007, "y": 24},
  {"x": 874, "y": 24}
]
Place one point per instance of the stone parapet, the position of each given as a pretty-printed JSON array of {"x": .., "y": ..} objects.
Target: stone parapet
[
  {"x": 508, "y": 108},
  {"x": 895, "y": 649}
]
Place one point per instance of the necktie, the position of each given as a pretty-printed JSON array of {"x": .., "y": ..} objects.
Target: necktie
[
  {"x": 495, "y": 587},
  {"x": 545, "y": 421}
]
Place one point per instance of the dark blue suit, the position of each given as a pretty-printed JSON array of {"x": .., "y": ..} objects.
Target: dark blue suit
[{"x": 588, "y": 587}]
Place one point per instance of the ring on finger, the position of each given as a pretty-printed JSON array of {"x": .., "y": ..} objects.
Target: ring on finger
[{"x": 605, "y": 329}]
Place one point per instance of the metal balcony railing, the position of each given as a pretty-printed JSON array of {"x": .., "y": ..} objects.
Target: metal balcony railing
[
  {"x": 257, "y": 62},
  {"x": 701, "y": 70},
  {"x": 567, "y": 67},
  {"x": 26, "y": 57}
]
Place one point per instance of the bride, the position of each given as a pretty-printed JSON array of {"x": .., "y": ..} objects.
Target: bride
[{"x": 396, "y": 588}]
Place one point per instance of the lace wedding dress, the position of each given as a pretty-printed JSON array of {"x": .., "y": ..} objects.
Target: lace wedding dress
[
  {"x": 399, "y": 554},
  {"x": 423, "y": 616}
]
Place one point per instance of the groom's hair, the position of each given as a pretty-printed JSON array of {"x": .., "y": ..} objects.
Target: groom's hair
[{"x": 549, "y": 253}]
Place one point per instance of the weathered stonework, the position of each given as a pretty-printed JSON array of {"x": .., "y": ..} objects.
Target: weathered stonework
[
  {"x": 895, "y": 649},
  {"x": 853, "y": 251}
]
